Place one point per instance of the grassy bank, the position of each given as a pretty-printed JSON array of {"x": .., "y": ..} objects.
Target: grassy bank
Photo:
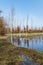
[
  {"x": 25, "y": 35},
  {"x": 9, "y": 54}
]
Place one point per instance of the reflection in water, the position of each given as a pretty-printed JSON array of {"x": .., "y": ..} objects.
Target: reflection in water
[
  {"x": 35, "y": 43},
  {"x": 42, "y": 38},
  {"x": 24, "y": 41},
  {"x": 39, "y": 39},
  {"x": 27, "y": 43},
  {"x": 18, "y": 41},
  {"x": 36, "y": 40},
  {"x": 32, "y": 43}
]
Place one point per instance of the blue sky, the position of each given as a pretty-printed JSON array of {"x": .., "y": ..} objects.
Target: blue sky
[{"x": 22, "y": 8}]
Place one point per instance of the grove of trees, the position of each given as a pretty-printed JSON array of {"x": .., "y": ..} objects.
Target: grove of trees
[{"x": 2, "y": 26}]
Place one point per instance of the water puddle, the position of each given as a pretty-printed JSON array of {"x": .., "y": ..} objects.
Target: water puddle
[{"x": 27, "y": 61}]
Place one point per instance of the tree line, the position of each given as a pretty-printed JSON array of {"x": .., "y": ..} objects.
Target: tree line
[{"x": 6, "y": 30}]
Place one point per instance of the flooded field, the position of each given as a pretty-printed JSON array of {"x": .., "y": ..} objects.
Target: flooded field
[{"x": 35, "y": 43}]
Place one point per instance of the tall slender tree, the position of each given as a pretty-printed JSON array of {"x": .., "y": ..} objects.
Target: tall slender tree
[{"x": 2, "y": 25}]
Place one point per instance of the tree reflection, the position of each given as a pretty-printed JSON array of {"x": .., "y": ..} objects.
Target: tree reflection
[
  {"x": 32, "y": 43},
  {"x": 19, "y": 41},
  {"x": 26, "y": 42}
]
